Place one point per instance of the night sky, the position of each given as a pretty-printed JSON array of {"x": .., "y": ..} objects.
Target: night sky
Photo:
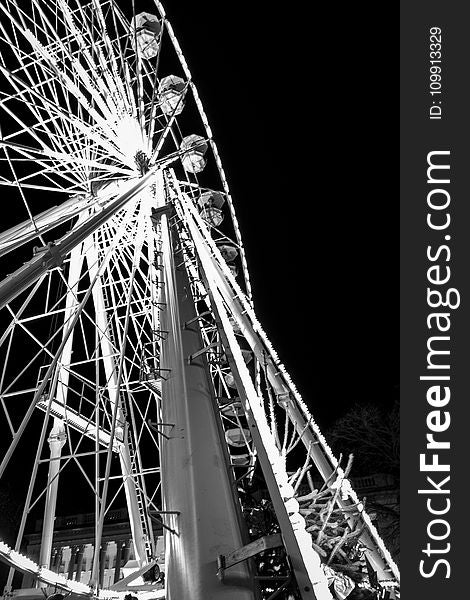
[{"x": 302, "y": 115}]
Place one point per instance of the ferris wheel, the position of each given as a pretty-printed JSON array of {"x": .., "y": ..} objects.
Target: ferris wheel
[{"x": 134, "y": 371}]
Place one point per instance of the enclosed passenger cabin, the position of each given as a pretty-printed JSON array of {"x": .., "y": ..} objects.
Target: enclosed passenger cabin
[
  {"x": 228, "y": 250},
  {"x": 171, "y": 93},
  {"x": 210, "y": 206},
  {"x": 238, "y": 437},
  {"x": 234, "y": 269},
  {"x": 193, "y": 149},
  {"x": 232, "y": 408},
  {"x": 145, "y": 35},
  {"x": 230, "y": 380}
]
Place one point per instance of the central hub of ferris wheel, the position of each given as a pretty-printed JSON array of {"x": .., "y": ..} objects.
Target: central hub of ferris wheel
[{"x": 148, "y": 382}]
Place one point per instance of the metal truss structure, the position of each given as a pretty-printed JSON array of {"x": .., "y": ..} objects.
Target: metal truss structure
[{"x": 133, "y": 367}]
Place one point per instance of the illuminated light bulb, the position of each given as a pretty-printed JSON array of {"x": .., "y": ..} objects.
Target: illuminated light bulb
[
  {"x": 292, "y": 506},
  {"x": 23, "y": 561},
  {"x": 282, "y": 479},
  {"x": 60, "y": 579},
  {"x": 346, "y": 489},
  {"x": 298, "y": 522},
  {"x": 78, "y": 586},
  {"x": 336, "y": 483},
  {"x": 47, "y": 575}
]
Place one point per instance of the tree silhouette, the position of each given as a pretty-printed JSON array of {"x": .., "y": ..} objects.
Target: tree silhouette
[{"x": 372, "y": 434}]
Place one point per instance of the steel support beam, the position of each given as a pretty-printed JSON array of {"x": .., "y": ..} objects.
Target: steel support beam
[
  {"x": 56, "y": 441},
  {"x": 58, "y": 434},
  {"x": 196, "y": 480},
  {"x": 25, "y": 232},
  {"x": 53, "y": 255},
  {"x": 252, "y": 549},
  {"x": 103, "y": 324}
]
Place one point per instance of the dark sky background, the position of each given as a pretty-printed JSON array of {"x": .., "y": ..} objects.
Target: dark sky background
[{"x": 301, "y": 106}]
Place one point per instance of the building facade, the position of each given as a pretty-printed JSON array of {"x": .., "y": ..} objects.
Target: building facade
[{"x": 73, "y": 547}]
